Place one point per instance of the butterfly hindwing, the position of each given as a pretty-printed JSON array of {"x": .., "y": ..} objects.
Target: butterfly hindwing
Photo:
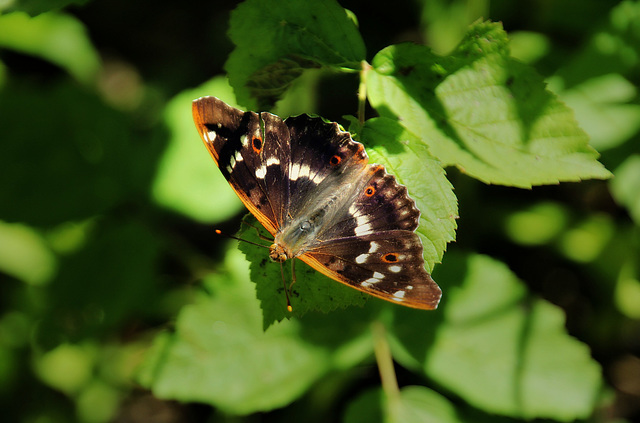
[{"x": 388, "y": 265}]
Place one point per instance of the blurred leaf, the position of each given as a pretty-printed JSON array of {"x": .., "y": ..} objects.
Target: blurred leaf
[
  {"x": 627, "y": 293},
  {"x": 587, "y": 240},
  {"x": 68, "y": 367},
  {"x": 366, "y": 408},
  {"x": 58, "y": 38},
  {"x": 404, "y": 156},
  {"x": 276, "y": 41},
  {"x": 98, "y": 402},
  {"x": 35, "y": 7},
  {"x": 626, "y": 186},
  {"x": 482, "y": 111},
  {"x": 219, "y": 354},
  {"x": 612, "y": 49},
  {"x": 66, "y": 156},
  {"x": 312, "y": 291},
  {"x": 25, "y": 255},
  {"x": 99, "y": 287},
  {"x": 604, "y": 108},
  {"x": 537, "y": 225},
  {"x": 188, "y": 180},
  {"x": 497, "y": 349},
  {"x": 447, "y": 21},
  {"x": 527, "y": 46},
  {"x": 415, "y": 404}
]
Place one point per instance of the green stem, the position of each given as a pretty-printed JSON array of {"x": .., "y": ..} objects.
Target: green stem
[
  {"x": 385, "y": 362},
  {"x": 362, "y": 91}
]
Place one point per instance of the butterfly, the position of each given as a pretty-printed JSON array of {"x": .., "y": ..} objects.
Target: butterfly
[{"x": 312, "y": 187}]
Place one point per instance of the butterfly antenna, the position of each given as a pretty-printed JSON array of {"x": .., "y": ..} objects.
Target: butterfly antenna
[
  {"x": 257, "y": 231},
  {"x": 286, "y": 291},
  {"x": 219, "y": 232}
]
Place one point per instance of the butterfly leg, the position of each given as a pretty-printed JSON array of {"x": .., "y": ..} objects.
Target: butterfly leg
[
  {"x": 286, "y": 291},
  {"x": 293, "y": 273}
]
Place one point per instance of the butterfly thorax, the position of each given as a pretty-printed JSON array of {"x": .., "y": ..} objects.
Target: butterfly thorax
[{"x": 293, "y": 238}]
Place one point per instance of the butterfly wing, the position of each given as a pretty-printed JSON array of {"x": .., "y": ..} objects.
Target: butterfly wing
[
  {"x": 252, "y": 153},
  {"x": 372, "y": 247},
  {"x": 387, "y": 265}
]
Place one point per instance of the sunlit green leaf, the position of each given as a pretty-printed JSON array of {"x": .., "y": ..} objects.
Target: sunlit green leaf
[
  {"x": 498, "y": 349},
  {"x": 483, "y": 112},
  {"x": 404, "y": 156}
]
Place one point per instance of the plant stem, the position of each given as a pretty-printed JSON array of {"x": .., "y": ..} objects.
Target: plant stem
[
  {"x": 362, "y": 91},
  {"x": 385, "y": 362}
]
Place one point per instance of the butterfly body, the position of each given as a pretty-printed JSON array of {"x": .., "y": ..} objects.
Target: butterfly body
[{"x": 312, "y": 187}]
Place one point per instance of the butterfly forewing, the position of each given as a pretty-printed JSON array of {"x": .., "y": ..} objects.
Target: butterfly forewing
[{"x": 248, "y": 159}]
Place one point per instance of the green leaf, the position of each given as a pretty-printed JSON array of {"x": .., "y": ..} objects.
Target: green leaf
[
  {"x": 35, "y": 7},
  {"x": 219, "y": 354},
  {"x": 25, "y": 255},
  {"x": 102, "y": 285},
  {"x": 626, "y": 186},
  {"x": 89, "y": 162},
  {"x": 604, "y": 107},
  {"x": 404, "y": 156},
  {"x": 414, "y": 404},
  {"x": 57, "y": 38},
  {"x": 498, "y": 349},
  {"x": 482, "y": 111},
  {"x": 312, "y": 290},
  {"x": 188, "y": 180},
  {"x": 276, "y": 41}
]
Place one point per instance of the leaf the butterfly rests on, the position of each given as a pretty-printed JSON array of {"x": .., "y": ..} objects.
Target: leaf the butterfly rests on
[{"x": 311, "y": 186}]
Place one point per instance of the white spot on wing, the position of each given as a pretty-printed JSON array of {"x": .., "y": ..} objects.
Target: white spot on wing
[
  {"x": 398, "y": 296},
  {"x": 373, "y": 247},
  {"x": 304, "y": 171},
  {"x": 273, "y": 161},
  {"x": 361, "y": 258},
  {"x": 378, "y": 275},
  {"x": 211, "y": 136},
  {"x": 395, "y": 269},
  {"x": 244, "y": 140},
  {"x": 364, "y": 228},
  {"x": 294, "y": 172},
  {"x": 238, "y": 157},
  {"x": 298, "y": 171},
  {"x": 261, "y": 172}
]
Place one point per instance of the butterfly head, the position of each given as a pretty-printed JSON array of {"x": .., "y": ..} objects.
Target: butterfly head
[{"x": 277, "y": 253}]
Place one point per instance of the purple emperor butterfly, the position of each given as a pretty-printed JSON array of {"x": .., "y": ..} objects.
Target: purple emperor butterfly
[{"x": 312, "y": 187}]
